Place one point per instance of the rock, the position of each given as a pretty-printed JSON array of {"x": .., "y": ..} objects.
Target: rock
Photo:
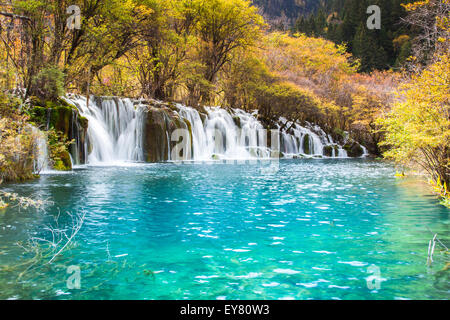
[
  {"x": 276, "y": 154},
  {"x": 237, "y": 121},
  {"x": 354, "y": 149},
  {"x": 159, "y": 125},
  {"x": 328, "y": 150},
  {"x": 155, "y": 137},
  {"x": 306, "y": 144},
  {"x": 62, "y": 162},
  {"x": 65, "y": 119}
]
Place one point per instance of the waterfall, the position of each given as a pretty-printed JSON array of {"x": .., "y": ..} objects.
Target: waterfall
[
  {"x": 244, "y": 136},
  {"x": 40, "y": 161},
  {"x": 117, "y": 133},
  {"x": 365, "y": 152},
  {"x": 241, "y": 134},
  {"x": 308, "y": 141},
  {"x": 115, "y": 129}
]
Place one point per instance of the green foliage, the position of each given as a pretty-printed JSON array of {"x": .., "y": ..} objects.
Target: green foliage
[
  {"x": 346, "y": 23},
  {"x": 442, "y": 190},
  {"x": 48, "y": 84},
  {"x": 58, "y": 149}
]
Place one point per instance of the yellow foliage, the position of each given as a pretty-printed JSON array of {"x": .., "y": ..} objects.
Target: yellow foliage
[
  {"x": 17, "y": 143},
  {"x": 418, "y": 126},
  {"x": 307, "y": 56}
]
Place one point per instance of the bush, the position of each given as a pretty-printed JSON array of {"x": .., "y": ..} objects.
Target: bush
[
  {"x": 59, "y": 150},
  {"x": 17, "y": 142},
  {"x": 48, "y": 84}
]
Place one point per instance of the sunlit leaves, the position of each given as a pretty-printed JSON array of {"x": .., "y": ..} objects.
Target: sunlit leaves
[{"x": 418, "y": 127}]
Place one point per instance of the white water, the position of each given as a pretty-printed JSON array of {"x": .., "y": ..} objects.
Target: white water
[
  {"x": 219, "y": 137},
  {"x": 116, "y": 126},
  {"x": 115, "y": 129},
  {"x": 248, "y": 141},
  {"x": 40, "y": 162}
]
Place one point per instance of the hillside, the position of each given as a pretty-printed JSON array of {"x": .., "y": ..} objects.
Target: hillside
[{"x": 285, "y": 12}]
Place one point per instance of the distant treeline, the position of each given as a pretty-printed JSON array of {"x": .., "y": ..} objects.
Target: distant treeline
[{"x": 344, "y": 21}]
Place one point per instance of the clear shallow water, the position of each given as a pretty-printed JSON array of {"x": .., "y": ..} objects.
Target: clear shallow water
[{"x": 217, "y": 231}]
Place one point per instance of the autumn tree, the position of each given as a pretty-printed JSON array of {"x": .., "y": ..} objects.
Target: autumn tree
[
  {"x": 159, "y": 57},
  {"x": 431, "y": 19},
  {"x": 418, "y": 126},
  {"x": 224, "y": 26}
]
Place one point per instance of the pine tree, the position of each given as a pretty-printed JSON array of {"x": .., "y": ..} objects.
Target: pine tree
[{"x": 375, "y": 48}]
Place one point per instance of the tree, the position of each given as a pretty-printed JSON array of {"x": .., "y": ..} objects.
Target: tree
[
  {"x": 431, "y": 18},
  {"x": 224, "y": 26},
  {"x": 160, "y": 55},
  {"x": 418, "y": 126},
  {"x": 48, "y": 84},
  {"x": 114, "y": 29},
  {"x": 109, "y": 29},
  {"x": 366, "y": 47},
  {"x": 346, "y": 24}
]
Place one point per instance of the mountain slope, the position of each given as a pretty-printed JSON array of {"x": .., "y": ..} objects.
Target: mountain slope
[{"x": 287, "y": 11}]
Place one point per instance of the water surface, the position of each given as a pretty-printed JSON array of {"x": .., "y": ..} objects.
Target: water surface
[{"x": 311, "y": 230}]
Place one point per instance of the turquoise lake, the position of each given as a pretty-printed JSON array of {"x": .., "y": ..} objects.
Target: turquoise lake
[{"x": 312, "y": 230}]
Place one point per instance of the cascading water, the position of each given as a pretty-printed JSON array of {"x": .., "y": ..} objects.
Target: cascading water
[
  {"x": 116, "y": 133},
  {"x": 240, "y": 132},
  {"x": 308, "y": 141},
  {"x": 115, "y": 129},
  {"x": 244, "y": 137},
  {"x": 40, "y": 162}
]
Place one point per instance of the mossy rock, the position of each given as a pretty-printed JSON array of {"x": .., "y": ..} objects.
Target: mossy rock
[
  {"x": 84, "y": 122},
  {"x": 306, "y": 144},
  {"x": 155, "y": 138},
  {"x": 354, "y": 149},
  {"x": 66, "y": 120},
  {"x": 172, "y": 106},
  {"x": 35, "y": 101},
  {"x": 237, "y": 121},
  {"x": 328, "y": 150},
  {"x": 62, "y": 162},
  {"x": 58, "y": 115},
  {"x": 38, "y": 115}
]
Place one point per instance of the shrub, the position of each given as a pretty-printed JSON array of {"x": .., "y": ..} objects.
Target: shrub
[{"x": 17, "y": 142}]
